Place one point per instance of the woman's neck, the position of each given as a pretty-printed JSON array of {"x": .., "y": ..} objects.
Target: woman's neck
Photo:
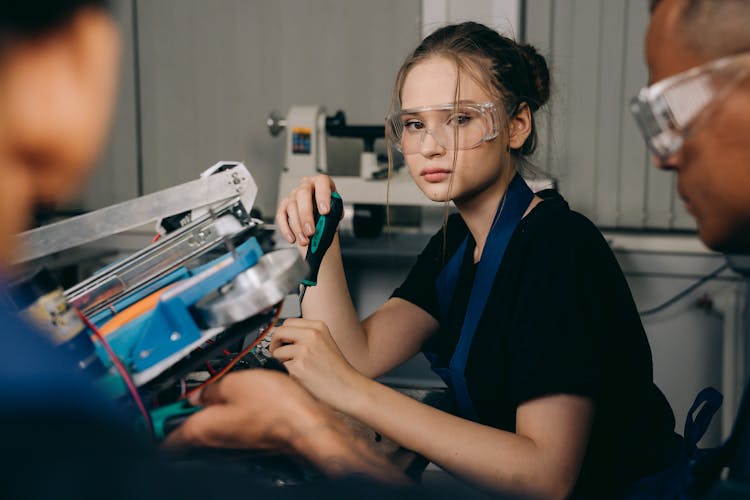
[{"x": 478, "y": 210}]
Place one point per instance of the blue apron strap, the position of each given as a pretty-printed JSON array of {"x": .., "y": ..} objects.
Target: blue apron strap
[
  {"x": 509, "y": 213},
  {"x": 708, "y": 400},
  {"x": 445, "y": 284}
]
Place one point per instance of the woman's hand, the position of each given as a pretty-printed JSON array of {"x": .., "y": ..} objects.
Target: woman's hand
[
  {"x": 312, "y": 357},
  {"x": 295, "y": 214}
]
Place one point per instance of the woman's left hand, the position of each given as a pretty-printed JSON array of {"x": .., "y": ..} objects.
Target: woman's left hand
[{"x": 312, "y": 357}]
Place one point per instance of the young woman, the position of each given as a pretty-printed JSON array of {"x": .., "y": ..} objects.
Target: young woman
[{"x": 518, "y": 301}]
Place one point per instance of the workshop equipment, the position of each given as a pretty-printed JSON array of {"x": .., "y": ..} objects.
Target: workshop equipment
[
  {"x": 306, "y": 154},
  {"x": 201, "y": 289}
]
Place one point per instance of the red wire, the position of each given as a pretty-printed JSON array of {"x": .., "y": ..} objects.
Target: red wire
[
  {"x": 241, "y": 355},
  {"x": 156, "y": 238},
  {"x": 120, "y": 368}
]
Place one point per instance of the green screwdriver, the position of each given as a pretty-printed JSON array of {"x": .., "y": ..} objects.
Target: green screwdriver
[{"x": 325, "y": 229}]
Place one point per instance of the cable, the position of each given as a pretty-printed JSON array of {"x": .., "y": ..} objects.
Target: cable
[
  {"x": 667, "y": 303},
  {"x": 241, "y": 355},
  {"x": 211, "y": 369},
  {"x": 121, "y": 369}
]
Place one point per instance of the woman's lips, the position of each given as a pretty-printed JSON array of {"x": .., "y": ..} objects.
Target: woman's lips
[{"x": 434, "y": 175}]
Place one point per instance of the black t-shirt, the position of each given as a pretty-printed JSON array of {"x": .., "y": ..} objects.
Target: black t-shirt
[{"x": 560, "y": 319}]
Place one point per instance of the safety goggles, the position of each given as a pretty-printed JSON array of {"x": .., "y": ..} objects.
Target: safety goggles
[
  {"x": 666, "y": 111},
  {"x": 453, "y": 126}
]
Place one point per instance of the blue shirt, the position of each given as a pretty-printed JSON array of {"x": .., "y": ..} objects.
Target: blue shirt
[{"x": 34, "y": 375}]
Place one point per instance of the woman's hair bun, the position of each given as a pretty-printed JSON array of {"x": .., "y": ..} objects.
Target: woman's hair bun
[{"x": 539, "y": 73}]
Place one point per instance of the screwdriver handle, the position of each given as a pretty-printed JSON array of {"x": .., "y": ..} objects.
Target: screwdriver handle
[{"x": 325, "y": 229}]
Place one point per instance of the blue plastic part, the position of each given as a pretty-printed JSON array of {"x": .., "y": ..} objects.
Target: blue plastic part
[
  {"x": 105, "y": 315},
  {"x": 122, "y": 339},
  {"x": 152, "y": 332},
  {"x": 171, "y": 327}
]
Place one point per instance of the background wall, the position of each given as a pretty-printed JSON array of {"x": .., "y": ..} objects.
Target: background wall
[
  {"x": 199, "y": 79},
  {"x": 595, "y": 50}
]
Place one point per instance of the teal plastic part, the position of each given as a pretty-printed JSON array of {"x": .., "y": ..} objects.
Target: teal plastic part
[{"x": 160, "y": 416}]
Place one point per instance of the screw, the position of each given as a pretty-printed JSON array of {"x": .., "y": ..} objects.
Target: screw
[{"x": 175, "y": 336}]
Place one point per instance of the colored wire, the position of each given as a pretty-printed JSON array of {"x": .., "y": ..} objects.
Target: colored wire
[
  {"x": 241, "y": 355},
  {"x": 669, "y": 302},
  {"x": 156, "y": 238},
  {"x": 121, "y": 369}
]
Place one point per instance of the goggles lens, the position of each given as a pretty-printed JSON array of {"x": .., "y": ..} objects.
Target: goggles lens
[
  {"x": 666, "y": 110},
  {"x": 453, "y": 127}
]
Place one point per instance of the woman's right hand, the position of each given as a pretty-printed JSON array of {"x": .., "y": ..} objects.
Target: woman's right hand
[{"x": 294, "y": 217}]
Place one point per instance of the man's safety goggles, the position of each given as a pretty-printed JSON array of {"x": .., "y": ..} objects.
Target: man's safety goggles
[
  {"x": 667, "y": 110},
  {"x": 462, "y": 126}
]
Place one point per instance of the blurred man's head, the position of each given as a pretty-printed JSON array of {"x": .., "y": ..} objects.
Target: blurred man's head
[
  {"x": 713, "y": 165},
  {"x": 58, "y": 61}
]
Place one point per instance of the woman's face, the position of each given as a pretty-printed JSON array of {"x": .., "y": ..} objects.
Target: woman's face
[{"x": 432, "y": 82}]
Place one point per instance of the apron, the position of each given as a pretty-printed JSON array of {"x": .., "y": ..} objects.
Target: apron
[
  {"x": 674, "y": 482},
  {"x": 514, "y": 203}
]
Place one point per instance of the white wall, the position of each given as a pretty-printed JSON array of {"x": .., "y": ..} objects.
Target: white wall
[
  {"x": 207, "y": 74},
  {"x": 502, "y": 15}
]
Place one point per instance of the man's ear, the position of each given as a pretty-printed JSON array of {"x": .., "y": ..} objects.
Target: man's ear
[{"x": 519, "y": 127}]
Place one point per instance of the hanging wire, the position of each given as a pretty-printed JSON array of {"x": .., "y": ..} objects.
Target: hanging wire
[{"x": 661, "y": 307}]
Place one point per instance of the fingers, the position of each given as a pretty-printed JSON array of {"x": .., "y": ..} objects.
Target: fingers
[
  {"x": 282, "y": 221},
  {"x": 295, "y": 330},
  {"x": 210, "y": 427},
  {"x": 237, "y": 387},
  {"x": 287, "y": 352},
  {"x": 304, "y": 199},
  {"x": 212, "y": 394},
  {"x": 295, "y": 217},
  {"x": 282, "y": 336},
  {"x": 295, "y": 225},
  {"x": 323, "y": 186}
]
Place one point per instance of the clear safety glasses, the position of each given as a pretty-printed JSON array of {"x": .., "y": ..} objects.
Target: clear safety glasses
[
  {"x": 667, "y": 110},
  {"x": 462, "y": 126}
]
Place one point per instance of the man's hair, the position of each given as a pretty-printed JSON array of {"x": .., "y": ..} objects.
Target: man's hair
[
  {"x": 21, "y": 19},
  {"x": 714, "y": 27}
]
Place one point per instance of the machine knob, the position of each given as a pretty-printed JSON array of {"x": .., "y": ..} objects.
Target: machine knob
[{"x": 276, "y": 123}]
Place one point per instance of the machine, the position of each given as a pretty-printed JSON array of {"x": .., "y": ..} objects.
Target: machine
[
  {"x": 308, "y": 128},
  {"x": 179, "y": 313}
]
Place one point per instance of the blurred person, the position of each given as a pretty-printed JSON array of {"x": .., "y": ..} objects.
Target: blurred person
[{"x": 695, "y": 115}]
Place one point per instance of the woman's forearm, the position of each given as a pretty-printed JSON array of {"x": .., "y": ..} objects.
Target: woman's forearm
[{"x": 329, "y": 301}]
